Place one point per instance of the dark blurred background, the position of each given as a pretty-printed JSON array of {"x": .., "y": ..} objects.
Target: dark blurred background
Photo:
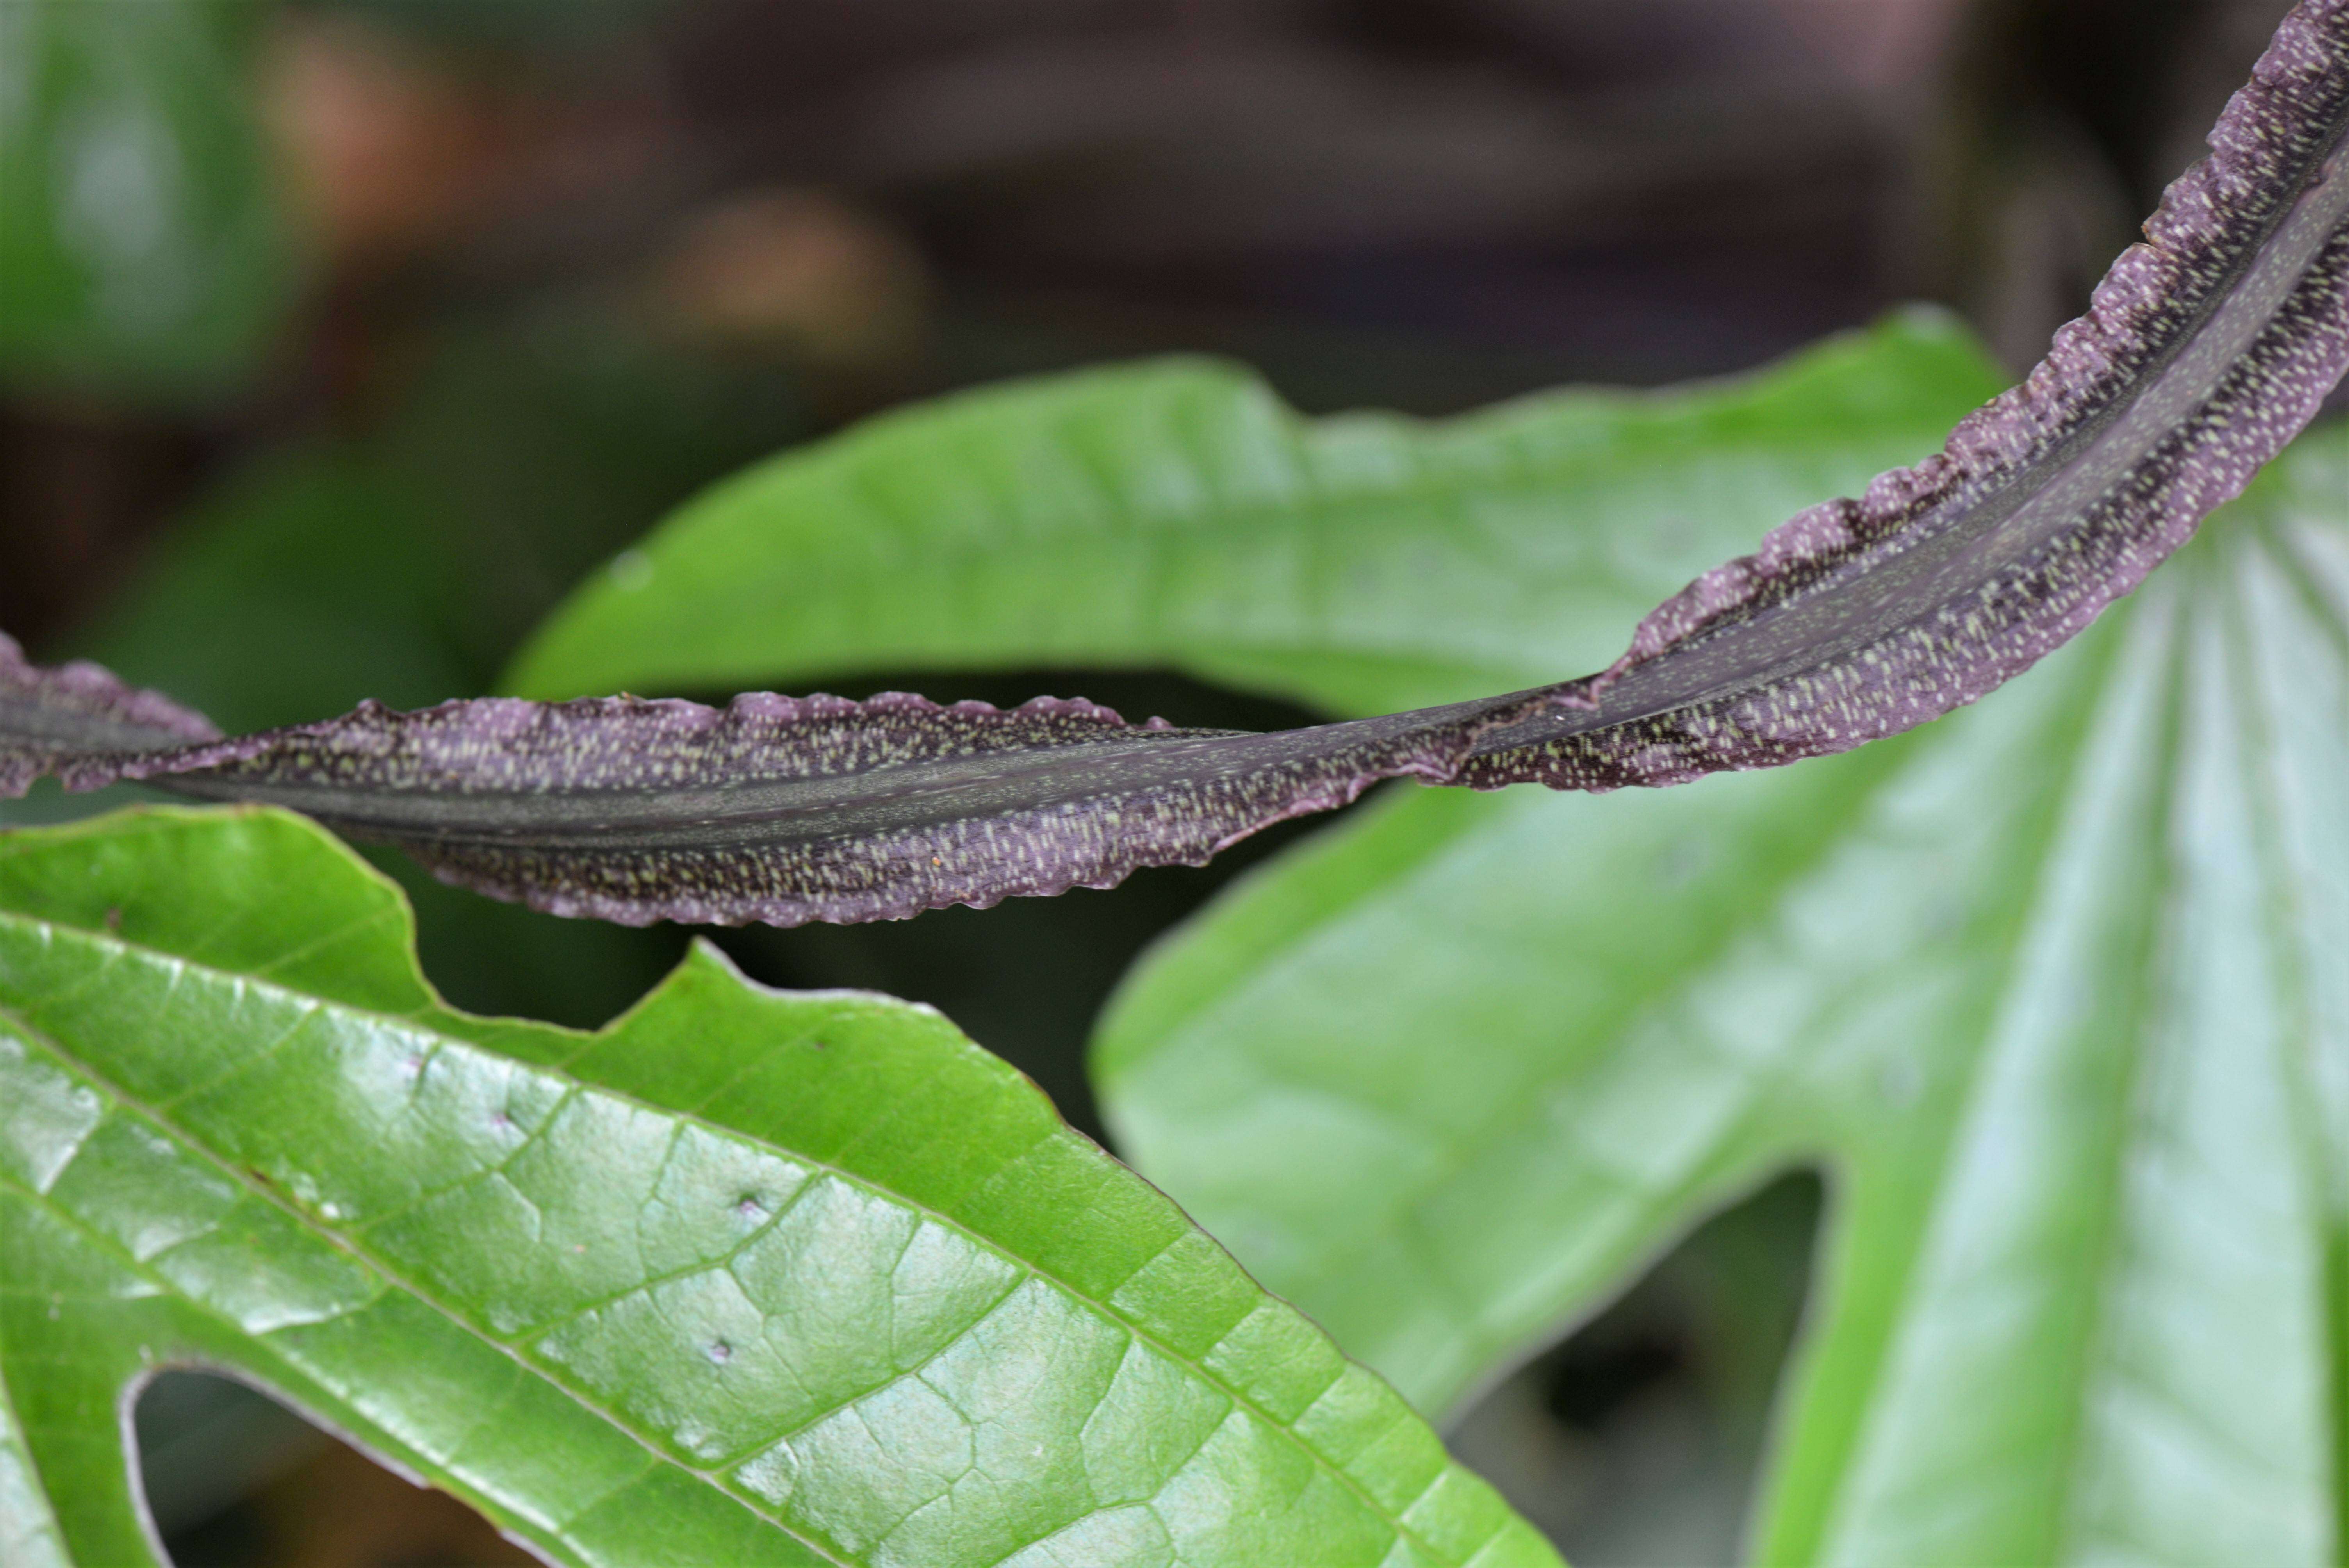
[{"x": 336, "y": 340}]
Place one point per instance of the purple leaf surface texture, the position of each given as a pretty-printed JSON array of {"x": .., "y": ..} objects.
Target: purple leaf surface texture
[{"x": 2209, "y": 347}]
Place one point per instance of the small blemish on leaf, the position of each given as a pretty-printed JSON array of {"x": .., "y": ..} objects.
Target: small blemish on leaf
[
  {"x": 720, "y": 1353},
  {"x": 1900, "y": 1081},
  {"x": 1683, "y": 861},
  {"x": 631, "y": 570},
  {"x": 749, "y": 1206},
  {"x": 114, "y": 917},
  {"x": 1675, "y": 535}
]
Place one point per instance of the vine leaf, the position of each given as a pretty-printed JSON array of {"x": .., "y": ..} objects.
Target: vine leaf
[
  {"x": 2208, "y": 347},
  {"x": 2052, "y": 989},
  {"x": 747, "y": 1277}
]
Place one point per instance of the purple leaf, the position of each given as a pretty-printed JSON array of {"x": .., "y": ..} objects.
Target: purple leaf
[
  {"x": 788, "y": 809},
  {"x": 73, "y": 720},
  {"x": 2208, "y": 347}
]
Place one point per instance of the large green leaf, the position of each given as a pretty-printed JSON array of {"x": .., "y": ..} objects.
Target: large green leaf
[
  {"x": 747, "y": 1277},
  {"x": 1174, "y": 513},
  {"x": 143, "y": 249},
  {"x": 2054, "y": 989}
]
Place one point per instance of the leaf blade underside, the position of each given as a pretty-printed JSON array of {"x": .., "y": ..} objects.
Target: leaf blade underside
[
  {"x": 747, "y": 1277},
  {"x": 2208, "y": 347},
  {"x": 2052, "y": 991}
]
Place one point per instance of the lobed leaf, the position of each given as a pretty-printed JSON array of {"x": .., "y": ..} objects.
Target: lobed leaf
[
  {"x": 2052, "y": 990},
  {"x": 746, "y": 1277}
]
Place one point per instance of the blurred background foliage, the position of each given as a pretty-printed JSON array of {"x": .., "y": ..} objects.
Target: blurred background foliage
[{"x": 338, "y": 340}]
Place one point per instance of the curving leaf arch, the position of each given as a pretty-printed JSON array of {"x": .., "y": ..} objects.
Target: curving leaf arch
[{"x": 2209, "y": 345}]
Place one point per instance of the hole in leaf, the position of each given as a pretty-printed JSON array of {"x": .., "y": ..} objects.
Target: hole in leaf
[
  {"x": 1596, "y": 1378},
  {"x": 235, "y": 1479},
  {"x": 1637, "y": 1439}
]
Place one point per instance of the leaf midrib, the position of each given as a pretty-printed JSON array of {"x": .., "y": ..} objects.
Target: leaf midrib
[
  {"x": 2287, "y": 924},
  {"x": 1826, "y": 1514},
  {"x": 2103, "y": 1283}
]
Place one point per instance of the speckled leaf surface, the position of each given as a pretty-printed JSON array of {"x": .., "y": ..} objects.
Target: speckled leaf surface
[
  {"x": 2052, "y": 990},
  {"x": 2205, "y": 349},
  {"x": 748, "y": 1277}
]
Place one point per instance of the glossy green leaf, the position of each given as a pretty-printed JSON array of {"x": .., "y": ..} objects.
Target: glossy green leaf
[
  {"x": 2052, "y": 989},
  {"x": 747, "y": 1277},
  {"x": 144, "y": 251},
  {"x": 1176, "y": 515}
]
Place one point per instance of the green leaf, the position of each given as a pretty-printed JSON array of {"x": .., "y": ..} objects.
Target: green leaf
[
  {"x": 747, "y": 1277},
  {"x": 28, "y": 1530},
  {"x": 2052, "y": 988},
  {"x": 142, "y": 248},
  {"x": 1174, "y": 513}
]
